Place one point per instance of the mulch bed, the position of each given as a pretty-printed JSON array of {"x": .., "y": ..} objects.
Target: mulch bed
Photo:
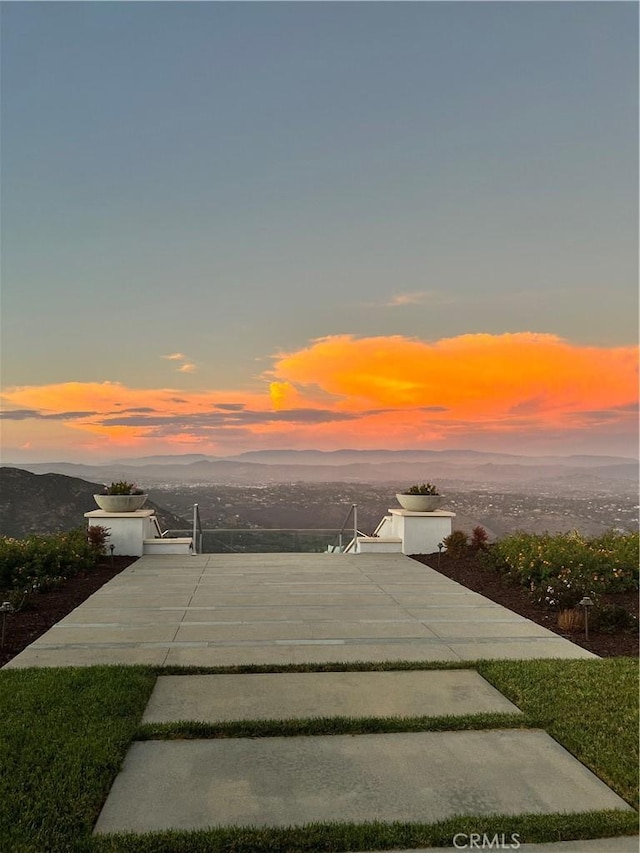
[
  {"x": 470, "y": 572},
  {"x": 47, "y": 608}
]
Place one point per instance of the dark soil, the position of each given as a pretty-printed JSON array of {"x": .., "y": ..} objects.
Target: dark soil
[
  {"x": 470, "y": 572},
  {"x": 47, "y": 608}
]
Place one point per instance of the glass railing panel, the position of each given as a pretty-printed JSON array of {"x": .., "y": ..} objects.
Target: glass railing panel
[{"x": 263, "y": 540}]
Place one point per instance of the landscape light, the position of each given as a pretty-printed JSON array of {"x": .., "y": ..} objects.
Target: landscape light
[
  {"x": 5, "y": 607},
  {"x": 586, "y": 603}
]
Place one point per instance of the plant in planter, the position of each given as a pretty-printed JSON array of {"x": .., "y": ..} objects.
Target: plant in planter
[
  {"x": 122, "y": 487},
  {"x": 121, "y": 496},
  {"x": 424, "y": 498}
]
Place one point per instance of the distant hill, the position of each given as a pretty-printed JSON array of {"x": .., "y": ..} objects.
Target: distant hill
[
  {"x": 171, "y": 459},
  {"x": 51, "y": 503},
  {"x": 377, "y": 457}
]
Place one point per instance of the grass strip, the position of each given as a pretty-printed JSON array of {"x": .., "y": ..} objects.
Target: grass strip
[
  {"x": 332, "y": 837},
  {"x": 351, "y": 666},
  {"x": 190, "y": 729}
]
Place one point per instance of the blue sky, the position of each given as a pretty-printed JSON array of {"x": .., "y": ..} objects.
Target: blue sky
[{"x": 230, "y": 181}]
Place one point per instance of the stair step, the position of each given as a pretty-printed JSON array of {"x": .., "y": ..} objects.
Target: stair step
[
  {"x": 177, "y": 545},
  {"x": 385, "y": 544}
]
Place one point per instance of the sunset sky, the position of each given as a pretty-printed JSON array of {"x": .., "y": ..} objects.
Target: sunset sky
[{"x": 230, "y": 226}]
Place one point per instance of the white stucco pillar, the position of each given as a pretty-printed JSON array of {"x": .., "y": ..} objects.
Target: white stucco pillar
[{"x": 420, "y": 531}]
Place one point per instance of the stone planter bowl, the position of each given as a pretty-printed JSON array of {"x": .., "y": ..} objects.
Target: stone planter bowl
[
  {"x": 120, "y": 503},
  {"x": 420, "y": 503}
]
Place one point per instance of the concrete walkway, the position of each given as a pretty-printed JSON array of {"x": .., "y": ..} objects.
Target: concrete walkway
[{"x": 212, "y": 610}]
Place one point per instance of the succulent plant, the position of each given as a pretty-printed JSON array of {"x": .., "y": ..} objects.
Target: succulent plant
[
  {"x": 424, "y": 489},
  {"x": 122, "y": 487}
]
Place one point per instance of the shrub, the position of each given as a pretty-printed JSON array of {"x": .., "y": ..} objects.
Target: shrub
[
  {"x": 97, "y": 537},
  {"x": 456, "y": 544},
  {"x": 610, "y": 618},
  {"x": 479, "y": 538},
  {"x": 570, "y": 620}
]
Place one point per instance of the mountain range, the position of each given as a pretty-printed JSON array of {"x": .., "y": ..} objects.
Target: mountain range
[{"x": 366, "y": 466}]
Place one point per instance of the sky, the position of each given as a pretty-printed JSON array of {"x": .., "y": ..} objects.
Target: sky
[{"x": 232, "y": 226}]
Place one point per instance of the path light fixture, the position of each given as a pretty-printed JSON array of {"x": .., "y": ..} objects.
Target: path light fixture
[
  {"x": 5, "y": 607},
  {"x": 440, "y": 547},
  {"x": 586, "y": 603},
  {"x": 112, "y": 548}
]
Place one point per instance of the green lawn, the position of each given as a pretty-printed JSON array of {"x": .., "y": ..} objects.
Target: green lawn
[{"x": 65, "y": 732}]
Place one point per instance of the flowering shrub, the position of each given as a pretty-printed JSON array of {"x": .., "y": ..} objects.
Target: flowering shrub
[
  {"x": 561, "y": 569},
  {"x": 43, "y": 560}
]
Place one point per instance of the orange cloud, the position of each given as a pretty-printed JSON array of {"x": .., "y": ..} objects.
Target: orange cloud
[
  {"x": 342, "y": 391},
  {"x": 473, "y": 376}
]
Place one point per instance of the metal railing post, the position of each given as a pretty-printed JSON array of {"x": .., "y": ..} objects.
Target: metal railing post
[
  {"x": 195, "y": 528},
  {"x": 355, "y": 524}
]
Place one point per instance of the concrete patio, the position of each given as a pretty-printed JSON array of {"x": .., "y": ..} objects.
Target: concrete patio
[{"x": 219, "y": 610}]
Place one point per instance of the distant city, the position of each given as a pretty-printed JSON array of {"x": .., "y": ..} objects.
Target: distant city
[{"x": 312, "y": 505}]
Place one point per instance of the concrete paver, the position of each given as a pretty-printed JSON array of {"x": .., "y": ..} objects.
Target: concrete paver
[
  {"x": 94, "y": 655},
  {"x": 301, "y": 630},
  {"x": 305, "y": 652},
  {"x": 273, "y": 696},
  {"x": 480, "y": 629},
  {"x": 136, "y": 634},
  {"x": 135, "y": 616},
  {"x": 307, "y": 612},
  {"x": 460, "y": 613},
  {"x": 423, "y": 776},
  {"x": 516, "y": 649}
]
